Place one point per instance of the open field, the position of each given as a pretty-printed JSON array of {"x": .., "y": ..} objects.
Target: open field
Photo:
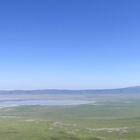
[{"x": 110, "y": 118}]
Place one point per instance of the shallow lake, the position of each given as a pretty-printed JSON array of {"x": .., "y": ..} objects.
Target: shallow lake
[{"x": 43, "y": 102}]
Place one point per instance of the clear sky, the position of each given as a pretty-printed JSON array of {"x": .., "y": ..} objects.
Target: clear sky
[{"x": 69, "y": 44}]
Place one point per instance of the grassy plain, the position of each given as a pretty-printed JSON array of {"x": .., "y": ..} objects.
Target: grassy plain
[{"x": 108, "y": 119}]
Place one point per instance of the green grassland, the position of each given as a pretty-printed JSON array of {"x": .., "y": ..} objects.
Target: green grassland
[{"x": 107, "y": 120}]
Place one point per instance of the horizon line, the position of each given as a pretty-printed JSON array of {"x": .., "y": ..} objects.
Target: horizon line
[{"x": 68, "y": 89}]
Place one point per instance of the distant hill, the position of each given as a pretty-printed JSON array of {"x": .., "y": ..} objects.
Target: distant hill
[{"x": 128, "y": 90}]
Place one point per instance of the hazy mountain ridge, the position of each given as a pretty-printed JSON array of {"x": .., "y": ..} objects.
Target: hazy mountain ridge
[{"x": 135, "y": 89}]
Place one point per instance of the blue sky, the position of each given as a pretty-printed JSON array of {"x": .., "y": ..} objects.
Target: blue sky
[{"x": 69, "y": 44}]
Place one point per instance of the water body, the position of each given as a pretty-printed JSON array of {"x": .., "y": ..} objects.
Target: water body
[{"x": 42, "y": 102}]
